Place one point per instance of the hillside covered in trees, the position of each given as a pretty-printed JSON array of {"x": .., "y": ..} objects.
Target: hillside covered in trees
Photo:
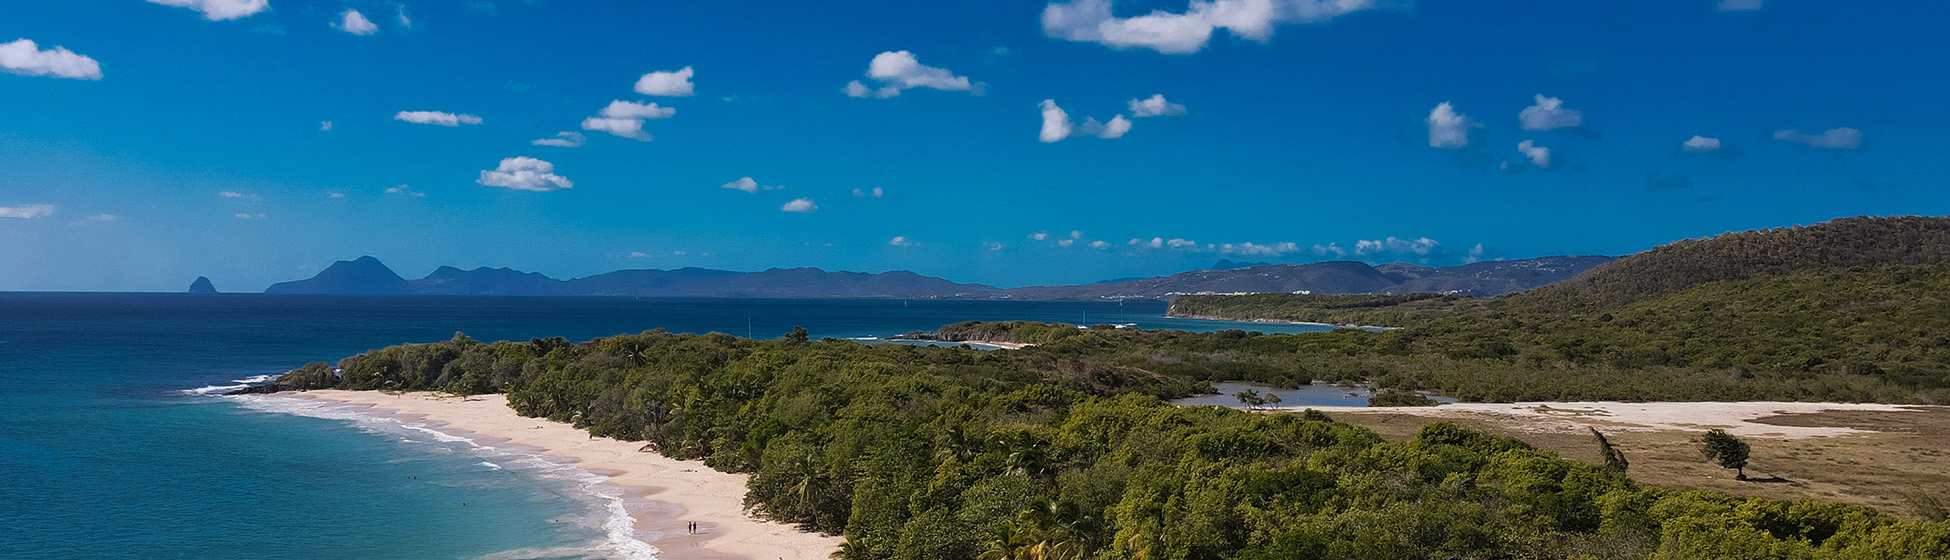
[
  {"x": 1855, "y": 310},
  {"x": 1066, "y": 451}
]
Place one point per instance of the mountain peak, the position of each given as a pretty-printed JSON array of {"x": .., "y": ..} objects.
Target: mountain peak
[{"x": 202, "y": 285}]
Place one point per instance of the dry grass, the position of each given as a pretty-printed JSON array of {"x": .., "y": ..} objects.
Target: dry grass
[{"x": 1900, "y": 464}]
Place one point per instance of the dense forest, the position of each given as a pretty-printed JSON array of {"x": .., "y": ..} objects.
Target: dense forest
[
  {"x": 1850, "y": 310},
  {"x": 1063, "y": 452}
]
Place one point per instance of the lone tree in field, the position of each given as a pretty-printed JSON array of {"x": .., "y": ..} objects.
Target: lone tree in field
[
  {"x": 1728, "y": 451},
  {"x": 1614, "y": 459}
]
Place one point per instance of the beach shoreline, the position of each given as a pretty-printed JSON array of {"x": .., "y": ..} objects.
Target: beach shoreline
[{"x": 662, "y": 495}]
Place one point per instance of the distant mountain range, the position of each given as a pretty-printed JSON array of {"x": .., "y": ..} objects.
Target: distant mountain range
[{"x": 368, "y": 276}]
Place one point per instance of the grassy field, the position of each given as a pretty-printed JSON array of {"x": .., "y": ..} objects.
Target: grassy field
[{"x": 1899, "y": 462}]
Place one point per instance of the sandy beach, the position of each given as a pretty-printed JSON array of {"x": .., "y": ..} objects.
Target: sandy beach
[
  {"x": 688, "y": 489},
  {"x": 1737, "y": 418}
]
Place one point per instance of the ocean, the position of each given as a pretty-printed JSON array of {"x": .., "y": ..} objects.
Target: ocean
[{"x": 114, "y": 443}]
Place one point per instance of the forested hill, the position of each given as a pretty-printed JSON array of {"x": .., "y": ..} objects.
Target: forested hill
[{"x": 1845, "y": 242}]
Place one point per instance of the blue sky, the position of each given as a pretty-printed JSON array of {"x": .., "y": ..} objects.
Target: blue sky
[{"x": 145, "y": 142}]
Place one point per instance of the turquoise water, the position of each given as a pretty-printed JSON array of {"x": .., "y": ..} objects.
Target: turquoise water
[{"x": 109, "y": 450}]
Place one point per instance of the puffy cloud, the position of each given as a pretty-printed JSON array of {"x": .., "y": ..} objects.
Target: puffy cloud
[
  {"x": 1656, "y": 182},
  {"x": 900, "y": 70},
  {"x": 1738, "y": 5},
  {"x": 1056, "y": 122},
  {"x": 802, "y": 205},
  {"x": 436, "y": 117},
  {"x": 1699, "y": 145},
  {"x": 876, "y": 192},
  {"x": 1835, "y": 138},
  {"x": 219, "y": 10},
  {"x": 626, "y": 110},
  {"x": 1421, "y": 246},
  {"x": 1099, "y": 244},
  {"x": 1057, "y": 126},
  {"x": 627, "y": 128},
  {"x": 563, "y": 140},
  {"x": 900, "y": 241},
  {"x": 1188, "y": 32},
  {"x": 27, "y": 59},
  {"x": 351, "y": 21},
  {"x": 625, "y": 119},
  {"x": 27, "y": 212},
  {"x": 1549, "y": 113},
  {"x": 1448, "y": 128},
  {"x": 1155, "y": 106},
  {"x": 525, "y": 174},
  {"x": 667, "y": 84},
  {"x": 1039, "y": 236},
  {"x": 742, "y": 184},
  {"x": 1539, "y": 156}
]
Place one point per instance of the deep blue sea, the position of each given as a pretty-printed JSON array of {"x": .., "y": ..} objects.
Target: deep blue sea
[{"x": 112, "y": 444}]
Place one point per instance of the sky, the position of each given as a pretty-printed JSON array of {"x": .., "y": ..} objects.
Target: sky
[{"x": 147, "y": 142}]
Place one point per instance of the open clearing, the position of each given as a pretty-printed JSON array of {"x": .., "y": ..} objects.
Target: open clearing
[{"x": 1892, "y": 458}]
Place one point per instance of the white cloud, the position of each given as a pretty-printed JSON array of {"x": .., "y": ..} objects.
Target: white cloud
[
  {"x": 436, "y": 117},
  {"x": 406, "y": 190},
  {"x": 27, "y": 212},
  {"x": 351, "y": 21},
  {"x": 27, "y": 59},
  {"x": 1738, "y": 5},
  {"x": 667, "y": 84},
  {"x": 1057, "y": 126},
  {"x": 625, "y": 119},
  {"x": 1099, "y": 244},
  {"x": 803, "y": 205},
  {"x": 219, "y": 10},
  {"x": 1448, "y": 128},
  {"x": 404, "y": 21},
  {"x": 1155, "y": 106},
  {"x": 1549, "y": 113},
  {"x": 235, "y": 194},
  {"x": 324, "y": 126},
  {"x": 1539, "y": 156},
  {"x": 641, "y": 111},
  {"x": 1700, "y": 144},
  {"x": 742, "y": 184},
  {"x": 1065, "y": 242},
  {"x": 627, "y": 128},
  {"x": 249, "y": 216},
  {"x": 1835, "y": 138},
  {"x": 1188, "y": 32},
  {"x": 901, "y": 241},
  {"x": 525, "y": 174},
  {"x": 900, "y": 70},
  {"x": 876, "y": 192},
  {"x": 1422, "y": 246},
  {"x": 994, "y": 246},
  {"x": 1039, "y": 236},
  {"x": 563, "y": 140},
  {"x": 1056, "y": 122},
  {"x": 335, "y": 194},
  {"x": 99, "y": 219}
]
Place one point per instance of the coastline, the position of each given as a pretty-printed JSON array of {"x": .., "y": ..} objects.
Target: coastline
[{"x": 664, "y": 494}]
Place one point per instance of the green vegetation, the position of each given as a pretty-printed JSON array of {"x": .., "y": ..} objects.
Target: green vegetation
[
  {"x": 1063, "y": 451},
  {"x": 1397, "y": 397},
  {"x": 1850, "y": 310},
  {"x": 1614, "y": 460},
  {"x": 1725, "y": 450}
]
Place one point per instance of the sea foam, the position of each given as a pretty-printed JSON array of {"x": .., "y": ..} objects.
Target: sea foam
[{"x": 618, "y": 526}]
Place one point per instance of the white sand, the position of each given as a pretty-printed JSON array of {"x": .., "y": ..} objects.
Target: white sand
[
  {"x": 711, "y": 498},
  {"x": 1735, "y": 417}
]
